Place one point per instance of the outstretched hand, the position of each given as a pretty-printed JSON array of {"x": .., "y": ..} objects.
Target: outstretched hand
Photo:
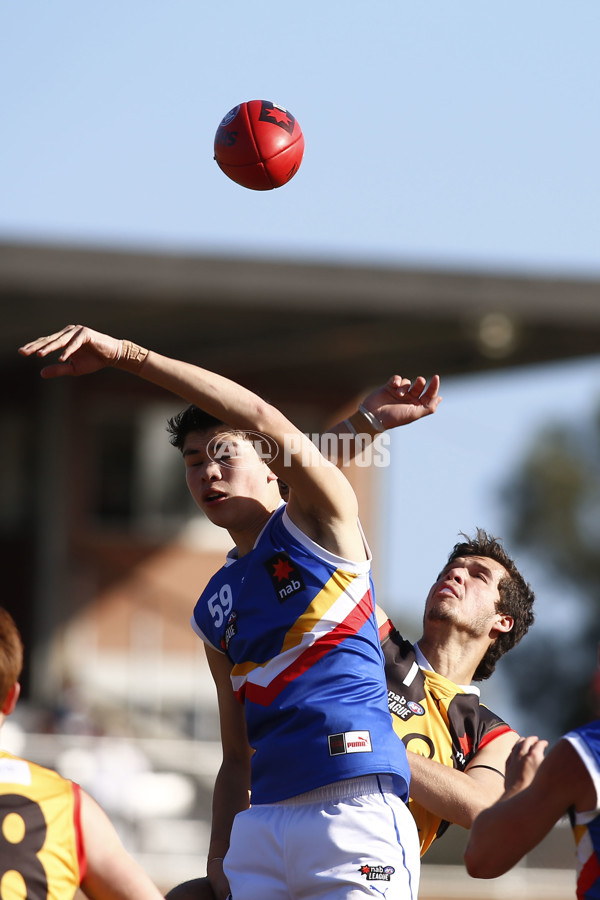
[
  {"x": 81, "y": 349},
  {"x": 400, "y": 401},
  {"x": 523, "y": 762}
]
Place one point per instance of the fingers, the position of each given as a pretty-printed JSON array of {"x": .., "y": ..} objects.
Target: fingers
[
  {"x": 57, "y": 370},
  {"x": 80, "y": 351},
  {"x": 524, "y": 744},
  {"x": 433, "y": 389},
  {"x": 430, "y": 397},
  {"x": 530, "y": 746},
  {"x": 42, "y": 346},
  {"x": 417, "y": 391},
  {"x": 523, "y": 762},
  {"x": 396, "y": 382}
]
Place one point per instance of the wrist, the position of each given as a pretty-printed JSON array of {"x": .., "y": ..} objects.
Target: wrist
[
  {"x": 371, "y": 418},
  {"x": 131, "y": 356},
  {"x": 214, "y": 865},
  {"x": 364, "y": 422}
]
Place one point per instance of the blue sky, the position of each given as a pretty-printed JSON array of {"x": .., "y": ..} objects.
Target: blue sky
[
  {"x": 450, "y": 471},
  {"x": 461, "y": 134},
  {"x": 457, "y": 133},
  {"x": 448, "y": 474}
]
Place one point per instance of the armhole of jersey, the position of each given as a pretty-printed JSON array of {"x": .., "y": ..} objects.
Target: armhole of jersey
[
  {"x": 202, "y": 636},
  {"x": 501, "y": 728},
  {"x": 588, "y": 760},
  {"x": 359, "y": 567},
  {"x": 79, "y": 839}
]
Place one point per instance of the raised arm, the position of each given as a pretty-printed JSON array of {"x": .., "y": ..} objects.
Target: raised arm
[
  {"x": 322, "y": 502},
  {"x": 399, "y": 401},
  {"x": 83, "y": 351}
]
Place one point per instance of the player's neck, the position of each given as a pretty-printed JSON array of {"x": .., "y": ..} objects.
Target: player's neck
[
  {"x": 246, "y": 537},
  {"x": 456, "y": 660}
]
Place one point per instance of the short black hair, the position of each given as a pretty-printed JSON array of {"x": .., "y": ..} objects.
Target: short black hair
[{"x": 190, "y": 419}]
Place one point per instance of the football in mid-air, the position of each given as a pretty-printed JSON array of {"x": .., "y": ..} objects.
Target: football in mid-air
[{"x": 259, "y": 145}]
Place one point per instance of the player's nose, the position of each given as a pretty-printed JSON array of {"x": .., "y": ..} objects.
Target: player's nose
[
  {"x": 457, "y": 573},
  {"x": 212, "y": 471}
]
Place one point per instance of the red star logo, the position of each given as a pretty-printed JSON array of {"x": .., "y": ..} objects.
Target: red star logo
[
  {"x": 282, "y": 569},
  {"x": 280, "y": 115},
  {"x": 364, "y": 870}
]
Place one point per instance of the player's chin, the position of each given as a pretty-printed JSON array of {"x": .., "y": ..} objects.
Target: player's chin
[
  {"x": 440, "y": 612},
  {"x": 214, "y": 509}
]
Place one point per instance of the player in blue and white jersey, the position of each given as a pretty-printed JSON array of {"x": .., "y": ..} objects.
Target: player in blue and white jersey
[
  {"x": 290, "y": 631},
  {"x": 539, "y": 792}
]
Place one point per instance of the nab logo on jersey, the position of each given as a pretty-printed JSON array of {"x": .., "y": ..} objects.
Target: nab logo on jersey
[{"x": 285, "y": 576}]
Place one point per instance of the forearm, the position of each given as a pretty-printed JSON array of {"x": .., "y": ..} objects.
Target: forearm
[
  {"x": 296, "y": 459},
  {"x": 232, "y": 785},
  {"x": 81, "y": 351},
  {"x": 499, "y": 838},
  {"x": 529, "y": 808},
  {"x": 322, "y": 494},
  {"x": 215, "y": 394},
  {"x": 450, "y": 794},
  {"x": 230, "y": 796},
  {"x": 351, "y": 436}
]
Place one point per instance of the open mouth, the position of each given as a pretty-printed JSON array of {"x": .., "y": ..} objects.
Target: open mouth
[{"x": 213, "y": 497}]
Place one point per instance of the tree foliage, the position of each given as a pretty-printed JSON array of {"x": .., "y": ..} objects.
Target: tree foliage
[{"x": 553, "y": 505}]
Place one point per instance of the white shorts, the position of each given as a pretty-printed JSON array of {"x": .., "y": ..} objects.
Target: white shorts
[{"x": 344, "y": 841}]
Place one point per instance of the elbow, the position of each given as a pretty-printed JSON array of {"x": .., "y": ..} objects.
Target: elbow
[
  {"x": 263, "y": 414},
  {"x": 473, "y": 865},
  {"x": 479, "y": 864}
]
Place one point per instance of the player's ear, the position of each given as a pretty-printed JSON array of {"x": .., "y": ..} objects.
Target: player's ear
[
  {"x": 504, "y": 623},
  {"x": 11, "y": 698}
]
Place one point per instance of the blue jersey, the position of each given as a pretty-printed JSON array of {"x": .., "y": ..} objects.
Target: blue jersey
[
  {"x": 586, "y": 825},
  {"x": 298, "y": 624}
]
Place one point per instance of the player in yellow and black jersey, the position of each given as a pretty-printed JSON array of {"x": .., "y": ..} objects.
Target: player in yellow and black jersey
[
  {"x": 479, "y": 607},
  {"x": 435, "y": 718},
  {"x": 54, "y": 838}
]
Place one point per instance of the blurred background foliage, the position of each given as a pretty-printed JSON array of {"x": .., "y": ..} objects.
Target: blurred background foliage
[{"x": 553, "y": 509}]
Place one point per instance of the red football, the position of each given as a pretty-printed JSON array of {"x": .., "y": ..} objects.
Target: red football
[{"x": 259, "y": 145}]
